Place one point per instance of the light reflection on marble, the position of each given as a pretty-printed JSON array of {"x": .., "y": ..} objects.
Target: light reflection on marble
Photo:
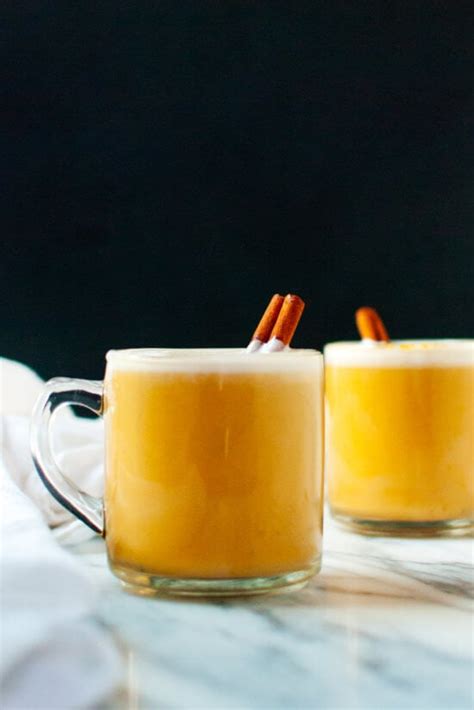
[{"x": 387, "y": 624}]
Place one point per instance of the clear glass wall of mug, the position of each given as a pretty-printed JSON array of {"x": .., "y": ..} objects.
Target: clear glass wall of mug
[
  {"x": 400, "y": 436},
  {"x": 213, "y": 467}
]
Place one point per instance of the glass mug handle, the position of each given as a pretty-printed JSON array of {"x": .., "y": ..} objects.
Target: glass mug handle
[{"x": 57, "y": 393}]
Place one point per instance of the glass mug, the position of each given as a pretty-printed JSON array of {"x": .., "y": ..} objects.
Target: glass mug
[
  {"x": 400, "y": 436},
  {"x": 213, "y": 467}
]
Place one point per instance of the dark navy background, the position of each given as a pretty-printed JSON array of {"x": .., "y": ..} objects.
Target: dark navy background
[{"x": 167, "y": 166}]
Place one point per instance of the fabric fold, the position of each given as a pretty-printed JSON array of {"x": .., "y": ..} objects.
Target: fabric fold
[{"x": 54, "y": 653}]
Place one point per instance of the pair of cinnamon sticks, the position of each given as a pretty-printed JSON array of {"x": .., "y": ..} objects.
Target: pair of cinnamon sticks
[
  {"x": 282, "y": 315},
  {"x": 277, "y": 325}
]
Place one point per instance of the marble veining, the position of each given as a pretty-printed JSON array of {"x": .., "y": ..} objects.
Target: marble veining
[{"x": 387, "y": 624}]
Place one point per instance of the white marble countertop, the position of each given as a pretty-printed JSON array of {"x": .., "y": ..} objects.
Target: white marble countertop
[{"x": 387, "y": 624}]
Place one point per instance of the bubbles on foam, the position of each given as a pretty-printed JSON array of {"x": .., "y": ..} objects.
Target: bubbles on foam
[{"x": 401, "y": 353}]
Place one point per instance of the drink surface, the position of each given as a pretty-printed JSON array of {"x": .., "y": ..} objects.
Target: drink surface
[
  {"x": 401, "y": 353},
  {"x": 214, "y": 465},
  {"x": 400, "y": 423}
]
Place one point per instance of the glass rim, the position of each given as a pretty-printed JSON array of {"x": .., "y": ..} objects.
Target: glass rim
[{"x": 445, "y": 343}]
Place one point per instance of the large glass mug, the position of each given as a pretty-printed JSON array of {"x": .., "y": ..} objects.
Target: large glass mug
[
  {"x": 213, "y": 467},
  {"x": 400, "y": 436}
]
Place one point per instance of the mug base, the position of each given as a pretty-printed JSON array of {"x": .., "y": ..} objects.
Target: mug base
[
  {"x": 152, "y": 585},
  {"x": 405, "y": 528}
]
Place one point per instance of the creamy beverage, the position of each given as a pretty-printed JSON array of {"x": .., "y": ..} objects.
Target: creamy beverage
[
  {"x": 213, "y": 463},
  {"x": 400, "y": 434}
]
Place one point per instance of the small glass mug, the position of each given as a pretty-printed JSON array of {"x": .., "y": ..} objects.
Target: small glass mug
[
  {"x": 399, "y": 436},
  {"x": 213, "y": 467}
]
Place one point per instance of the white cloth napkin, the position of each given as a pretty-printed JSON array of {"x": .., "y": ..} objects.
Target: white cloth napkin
[{"x": 53, "y": 653}]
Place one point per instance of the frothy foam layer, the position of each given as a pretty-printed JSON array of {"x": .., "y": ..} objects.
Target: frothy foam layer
[
  {"x": 212, "y": 360},
  {"x": 401, "y": 353}
]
